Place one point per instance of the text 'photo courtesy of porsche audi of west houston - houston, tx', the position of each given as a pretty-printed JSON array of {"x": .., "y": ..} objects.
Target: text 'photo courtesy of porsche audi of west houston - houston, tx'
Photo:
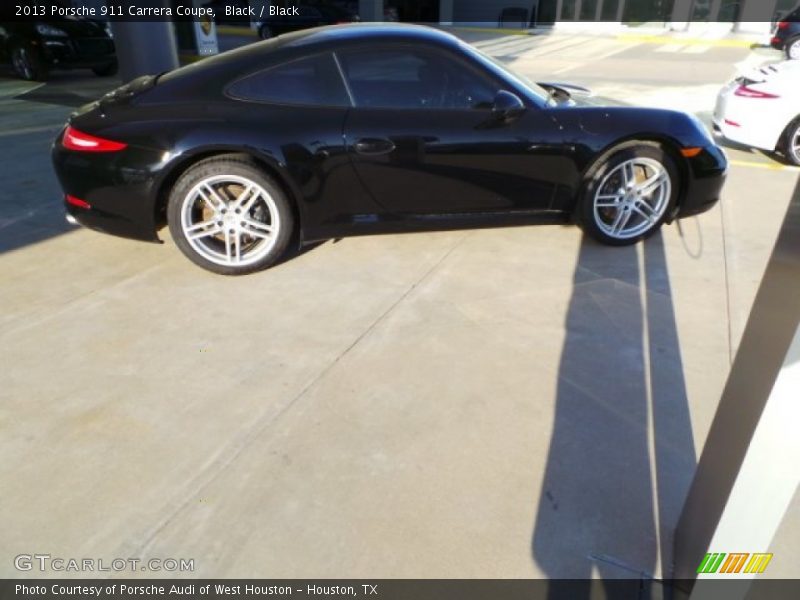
[{"x": 362, "y": 129}]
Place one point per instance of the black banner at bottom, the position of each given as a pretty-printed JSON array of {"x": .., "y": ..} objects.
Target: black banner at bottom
[{"x": 397, "y": 589}]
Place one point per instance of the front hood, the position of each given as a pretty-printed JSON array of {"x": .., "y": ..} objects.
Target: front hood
[
  {"x": 621, "y": 122},
  {"x": 567, "y": 94}
]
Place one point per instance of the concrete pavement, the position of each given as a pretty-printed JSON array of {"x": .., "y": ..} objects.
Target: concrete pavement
[{"x": 500, "y": 403}]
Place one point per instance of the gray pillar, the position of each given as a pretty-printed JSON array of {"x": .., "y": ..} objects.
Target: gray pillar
[
  {"x": 755, "y": 16},
  {"x": 261, "y": 10},
  {"x": 446, "y": 12},
  {"x": 371, "y": 10},
  {"x": 145, "y": 47},
  {"x": 747, "y": 471},
  {"x": 682, "y": 11}
]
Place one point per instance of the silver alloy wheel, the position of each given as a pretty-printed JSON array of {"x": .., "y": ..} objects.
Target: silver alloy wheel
[
  {"x": 230, "y": 220},
  {"x": 794, "y": 146},
  {"x": 632, "y": 198},
  {"x": 22, "y": 63},
  {"x": 794, "y": 50}
]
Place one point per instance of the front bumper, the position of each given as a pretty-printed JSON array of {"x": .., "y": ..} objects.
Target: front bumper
[{"x": 708, "y": 172}]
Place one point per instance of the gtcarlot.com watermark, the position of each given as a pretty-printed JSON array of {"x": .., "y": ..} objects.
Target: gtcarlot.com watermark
[{"x": 47, "y": 563}]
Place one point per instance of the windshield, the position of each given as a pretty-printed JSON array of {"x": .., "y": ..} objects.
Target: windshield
[{"x": 504, "y": 71}]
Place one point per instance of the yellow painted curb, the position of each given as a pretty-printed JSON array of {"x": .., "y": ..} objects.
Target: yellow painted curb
[
  {"x": 495, "y": 30},
  {"x": 190, "y": 58},
  {"x": 761, "y": 165},
  {"x": 665, "y": 39},
  {"x": 242, "y": 31}
]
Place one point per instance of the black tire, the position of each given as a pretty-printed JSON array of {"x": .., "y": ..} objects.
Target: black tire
[
  {"x": 106, "y": 70},
  {"x": 28, "y": 63},
  {"x": 235, "y": 166},
  {"x": 604, "y": 167},
  {"x": 787, "y": 146},
  {"x": 265, "y": 32},
  {"x": 791, "y": 47}
]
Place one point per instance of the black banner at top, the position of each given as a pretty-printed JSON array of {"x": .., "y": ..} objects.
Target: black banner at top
[{"x": 496, "y": 13}]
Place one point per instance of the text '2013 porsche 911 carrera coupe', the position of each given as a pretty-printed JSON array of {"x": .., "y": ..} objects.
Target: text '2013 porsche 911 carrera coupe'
[{"x": 360, "y": 129}]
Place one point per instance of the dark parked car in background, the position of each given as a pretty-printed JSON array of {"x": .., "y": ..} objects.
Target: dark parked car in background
[
  {"x": 361, "y": 129},
  {"x": 309, "y": 14},
  {"x": 787, "y": 35},
  {"x": 35, "y": 46}
]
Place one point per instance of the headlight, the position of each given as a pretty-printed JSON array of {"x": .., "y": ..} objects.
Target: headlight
[{"x": 50, "y": 31}]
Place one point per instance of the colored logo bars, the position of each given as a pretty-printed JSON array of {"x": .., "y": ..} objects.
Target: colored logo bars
[{"x": 743, "y": 562}]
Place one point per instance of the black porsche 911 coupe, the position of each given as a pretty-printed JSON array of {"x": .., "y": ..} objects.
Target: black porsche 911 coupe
[{"x": 360, "y": 129}]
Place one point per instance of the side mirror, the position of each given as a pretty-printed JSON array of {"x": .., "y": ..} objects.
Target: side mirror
[{"x": 507, "y": 106}]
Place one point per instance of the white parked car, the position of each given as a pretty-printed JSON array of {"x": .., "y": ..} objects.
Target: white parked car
[{"x": 761, "y": 109}]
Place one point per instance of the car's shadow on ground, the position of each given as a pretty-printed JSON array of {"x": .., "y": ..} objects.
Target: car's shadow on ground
[{"x": 621, "y": 455}]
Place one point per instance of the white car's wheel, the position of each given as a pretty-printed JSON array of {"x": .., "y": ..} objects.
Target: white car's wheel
[
  {"x": 791, "y": 143},
  {"x": 229, "y": 217},
  {"x": 793, "y": 49}
]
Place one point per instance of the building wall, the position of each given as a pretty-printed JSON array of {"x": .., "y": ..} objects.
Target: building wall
[{"x": 484, "y": 11}]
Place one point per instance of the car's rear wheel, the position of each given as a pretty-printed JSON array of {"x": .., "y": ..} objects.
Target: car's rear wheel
[
  {"x": 629, "y": 194},
  {"x": 793, "y": 49},
  {"x": 27, "y": 63},
  {"x": 106, "y": 70},
  {"x": 227, "y": 216},
  {"x": 790, "y": 146}
]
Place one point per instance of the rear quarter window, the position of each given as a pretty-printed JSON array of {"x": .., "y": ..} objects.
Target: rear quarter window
[{"x": 310, "y": 81}]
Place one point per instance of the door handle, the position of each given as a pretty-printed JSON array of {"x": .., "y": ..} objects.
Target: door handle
[{"x": 374, "y": 146}]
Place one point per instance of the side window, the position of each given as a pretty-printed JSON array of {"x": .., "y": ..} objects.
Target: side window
[
  {"x": 410, "y": 78},
  {"x": 311, "y": 81}
]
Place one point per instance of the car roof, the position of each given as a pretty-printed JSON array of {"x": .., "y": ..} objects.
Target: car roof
[
  {"x": 260, "y": 55},
  {"x": 371, "y": 32},
  {"x": 305, "y": 41}
]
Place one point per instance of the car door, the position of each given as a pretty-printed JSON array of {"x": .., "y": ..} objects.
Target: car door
[
  {"x": 294, "y": 111},
  {"x": 423, "y": 137}
]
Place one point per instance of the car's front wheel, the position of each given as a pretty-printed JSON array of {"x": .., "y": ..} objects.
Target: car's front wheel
[
  {"x": 27, "y": 63},
  {"x": 629, "y": 194},
  {"x": 106, "y": 70},
  {"x": 227, "y": 216},
  {"x": 793, "y": 49}
]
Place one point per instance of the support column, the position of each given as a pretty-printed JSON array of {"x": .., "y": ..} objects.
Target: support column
[
  {"x": 748, "y": 472},
  {"x": 370, "y": 10},
  {"x": 755, "y": 16},
  {"x": 681, "y": 15},
  {"x": 445, "y": 12},
  {"x": 145, "y": 47},
  {"x": 261, "y": 10}
]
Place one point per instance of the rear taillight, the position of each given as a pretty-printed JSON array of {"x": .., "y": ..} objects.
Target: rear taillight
[
  {"x": 77, "y": 140},
  {"x": 748, "y": 92},
  {"x": 783, "y": 25},
  {"x": 77, "y": 202}
]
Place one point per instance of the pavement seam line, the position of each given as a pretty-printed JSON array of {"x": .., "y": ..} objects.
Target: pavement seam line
[
  {"x": 727, "y": 281},
  {"x": 227, "y": 455}
]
